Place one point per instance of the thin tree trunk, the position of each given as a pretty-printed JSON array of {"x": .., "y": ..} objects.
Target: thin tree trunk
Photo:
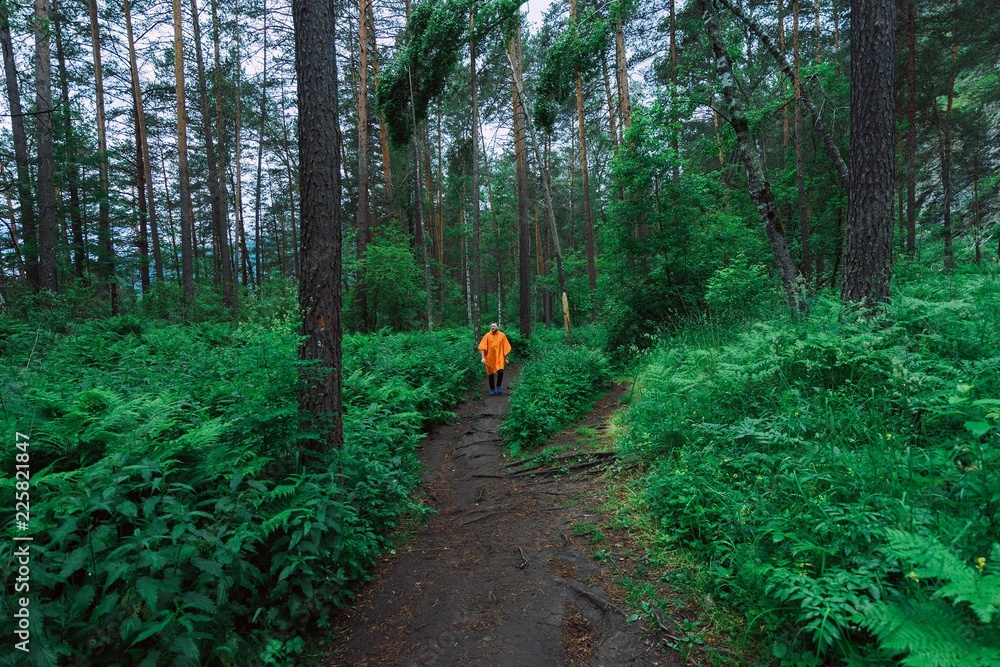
[
  {"x": 911, "y": 131},
  {"x": 523, "y": 243},
  {"x": 228, "y": 277},
  {"x": 419, "y": 200},
  {"x": 220, "y": 218},
  {"x": 105, "y": 249},
  {"x": 949, "y": 252},
  {"x": 757, "y": 185},
  {"x": 818, "y": 124},
  {"x": 868, "y": 236},
  {"x": 184, "y": 181},
  {"x": 29, "y": 235},
  {"x": 674, "y": 138},
  {"x": 319, "y": 169},
  {"x": 621, "y": 74},
  {"x": 786, "y": 130},
  {"x": 260, "y": 157},
  {"x": 76, "y": 218},
  {"x": 612, "y": 125},
  {"x": 143, "y": 172},
  {"x": 476, "y": 266},
  {"x": 799, "y": 149},
  {"x": 383, "y": 131},
  {"x": 588, "y": 217},
  {"x": 47, "y": 229},
  {"x": 238, "y": 167},
  {"x": 976, "y": 219},
  {"x": 291, "y": 182},
  {"x": 363, "y": 234},
  {"x": 548, "y": 194}
]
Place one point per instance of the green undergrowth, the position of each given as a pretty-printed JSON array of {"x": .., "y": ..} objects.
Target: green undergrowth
[
  {"x": 175, "y": 517},
  {"x": 556, "y": 386},
  {"x": 839, "y": 477}
]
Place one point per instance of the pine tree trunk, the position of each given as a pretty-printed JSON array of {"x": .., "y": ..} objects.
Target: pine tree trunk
[
  {"x": 799, "y": 150},
  {"x": 47, "y": 229},
  {"x": 220, "y": 218},
  {"x": 105, "y": 250},
  {"x": 143, "y": 177},
  {"x": 521, "y": 170},
  {"x": 477, "y": 325},
  {"x": 290, "y": 180},
  {"x": 29, "y": 234},
  {"x": 868, "y": 235},
  {"x": 76, "y": 218},
  {"x": 674, "y": 138},
  {"x": 319, "y": 173},
  {"x": 363, "y": 234},
  {"x": 588, "y": 216},
  {"x": 226, "y": 259},
  {"x": 911, "y": 131},
  {"x": 621, "y": 74},
  {"x": 757, "y": 185},
  {"x": 543, "y": 167},
  {"x": 238, "y": 167},
  {"x": 260, "y": 158},
  {"x": 383, "y": 131},
  {"x": 949, "y": 252},
  {"x": 612, "y": 125},
  {"x": 183, "y": 178}
]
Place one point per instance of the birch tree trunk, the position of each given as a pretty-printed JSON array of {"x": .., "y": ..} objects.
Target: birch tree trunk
[{"x": 757, "y": 185}]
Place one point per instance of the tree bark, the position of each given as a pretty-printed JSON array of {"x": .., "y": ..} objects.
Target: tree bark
[
  {"x": 621, "y": 73},
  {"x": 911, "y": 131},
  {"x": 477, "y": 325},
  {"x": 76, "y": 218},
  {"x": 260, "y": 157},
  {"x": 47, "y": 230},
  {"x": 29, "y": 234},
  {"x": 588, "y": 216},
  {"x": 220, "y": 217},
  {"x": 105, "y": 249},
  {"x": 757, "y": 185},
  {"x": 143, "y": 168},
  {"x": 548, "y": 194},
  {"x": 800, "y": 178},
  {"x": 319, "y": 174},
  {"x": 868, "y": 234},
  {"x": 383, "y": 131},
  {"x": 521, "y": 170},
  {"x": 228, "y": 278},
  {"x": 363, "y": 236},
  {"x": 183, "y": 178}
]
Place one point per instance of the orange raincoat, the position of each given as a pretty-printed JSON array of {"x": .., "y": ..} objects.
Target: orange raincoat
[{"x": 497, "y": 347}]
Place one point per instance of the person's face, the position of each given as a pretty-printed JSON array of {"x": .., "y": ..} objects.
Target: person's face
[{"x": 493, "y": 328}]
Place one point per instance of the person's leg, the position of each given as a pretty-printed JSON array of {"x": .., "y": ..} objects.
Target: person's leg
[
  {"x": 492, "y": 385},
  {"x": 500, "y": 378}
]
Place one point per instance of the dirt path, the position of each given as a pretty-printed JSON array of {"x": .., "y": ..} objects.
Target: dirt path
[{"x": 497, "y": 577}]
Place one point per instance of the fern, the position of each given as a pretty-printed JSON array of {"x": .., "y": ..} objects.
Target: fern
[{"x": 940, "y": 631}]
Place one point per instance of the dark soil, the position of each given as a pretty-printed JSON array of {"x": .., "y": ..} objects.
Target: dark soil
[{"x": 500, "y": 575}]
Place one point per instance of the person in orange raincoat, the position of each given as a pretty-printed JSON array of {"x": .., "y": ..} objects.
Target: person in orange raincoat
[{"x": 494, "y": 347}]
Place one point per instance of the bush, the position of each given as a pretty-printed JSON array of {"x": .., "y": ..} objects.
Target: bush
[
  {"x": 553, "y": 391},
  {"x": 173, "y": 518}
]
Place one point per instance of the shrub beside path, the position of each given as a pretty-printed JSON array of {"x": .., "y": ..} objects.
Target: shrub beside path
[{"x": 497, "y": 577}]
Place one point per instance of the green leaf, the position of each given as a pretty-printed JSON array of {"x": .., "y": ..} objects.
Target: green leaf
[{"x": 977, "y": 428}]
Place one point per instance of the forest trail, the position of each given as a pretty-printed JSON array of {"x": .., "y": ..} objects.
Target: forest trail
[{"x": 497, "y": 577}]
